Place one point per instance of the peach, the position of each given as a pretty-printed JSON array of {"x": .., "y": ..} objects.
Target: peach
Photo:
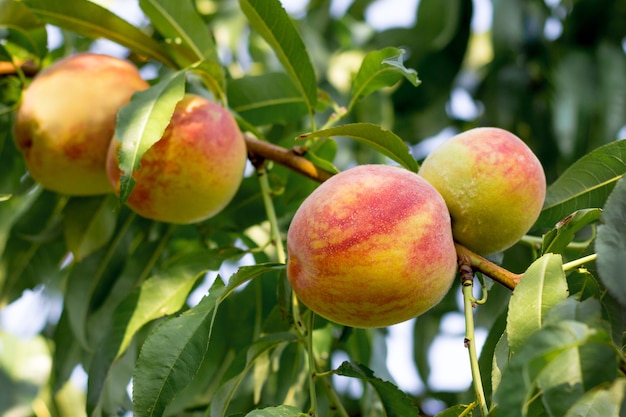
[
  {"x": 193, "y": 171},
  {"x": 371, "y": 247},
  {"x": 493, "y": 184},
  {"x": 67, "y": 117}
]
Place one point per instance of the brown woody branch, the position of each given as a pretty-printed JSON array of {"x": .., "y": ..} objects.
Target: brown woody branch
[
  {"x": 290, "y": 158},
  {"x": 496, "y": 272},
  {"x": 287, "y": 157},
  {"x": 29, "y": 68}
]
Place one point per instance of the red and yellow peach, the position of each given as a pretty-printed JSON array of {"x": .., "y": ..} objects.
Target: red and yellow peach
[
  {"x": 371, "y": 247},
  {"x": 193, "y": 171}
]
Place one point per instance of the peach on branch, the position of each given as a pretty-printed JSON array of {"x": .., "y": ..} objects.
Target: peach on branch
[
  {"x": 493, "y": 184},
  {"x": 371, "y": 247},
  {"x": 193, "y": 171},
  {"x": 67, "y": 117}
]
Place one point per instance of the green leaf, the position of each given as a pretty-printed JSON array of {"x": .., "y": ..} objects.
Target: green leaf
[
  {"x": 32, "y": 32},
  {"x": 609, "y": 402},
  {"x": 188, "y": 38},
  {"x": 374, "y": 136},
  {"x": 585, "y": 184},
  {"x": 542, "y": 286},
  {"x": 381, "y": 69},
  {"x": 88, "y": 224},
  {"x": 454, "y": 411},
  {"x": 557, "y": 239},
  {"x": 180, "y": 24},
  {"x": 266, "y": 99},
  {"x": 570, "y": 349},
  {"x": 611, "y": 243},
  {"x": 162, "y": 294},
  {"x": 173, "y": 352},
  {"x": 93, "y": 21},
  {"x": 169, "y": 357},
  {"x": 141, "y": 123},
  {"x": 271, "y": 21},
  {"x": 395, "y": 402},
  {"x": 241, "y": 367},
  {"x": 280, "y": 411},
  {"x": 92, "y": 275}
]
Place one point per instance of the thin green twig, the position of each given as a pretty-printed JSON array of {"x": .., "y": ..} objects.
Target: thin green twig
[{"x": 467, "y": 279}]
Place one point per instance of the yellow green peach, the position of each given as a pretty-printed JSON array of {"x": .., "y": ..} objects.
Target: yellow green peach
[
  {"x": 493, "y": 184},
  {"x": 371, "y": 247}
]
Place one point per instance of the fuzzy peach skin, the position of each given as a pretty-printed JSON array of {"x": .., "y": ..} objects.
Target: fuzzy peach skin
[
  {"x": 193, "y": 171},
  {"x": 493, "y": 184},
  {"x": 67, "y": 117},
  {"x": 371, "y": 247}
]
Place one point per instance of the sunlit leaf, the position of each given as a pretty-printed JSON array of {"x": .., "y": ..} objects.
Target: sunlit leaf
[
  {"x": 454, "y": 411},
  {"x": 280, "y": 411},
  {"x": 180, "y": 23},
  {"x": 609, "y": 402},
  {"x": 266, "y": 99},
  {"x": 89, "y": 19},
  {"x": 88, "y": 224},
  {"x": 542, "y": 286},
  {"x": 160, "y": 295},
  {"x": 585, "y": 184},
  {"x": 395, "y": 402},
  {"x": 543, "y": 358},
  {"x": 557, "y": 239},
  {"x": 188, "y": 38},
  {"x": 381, "y": 69},
  {"x": 611, "y": 243},
  {"x": 173, "y": 351},
  {"x": 271, "y": 21},
  {"x": 142, "y": 122},
  {"x": 374, "y": 136}
]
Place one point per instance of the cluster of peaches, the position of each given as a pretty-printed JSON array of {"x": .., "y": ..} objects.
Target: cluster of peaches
[{"x": 372, "y": 246}]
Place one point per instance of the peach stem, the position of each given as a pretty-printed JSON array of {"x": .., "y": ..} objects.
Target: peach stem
[
  {"x": 286, "y": 157},
  {"x": 495, "y": 272}
]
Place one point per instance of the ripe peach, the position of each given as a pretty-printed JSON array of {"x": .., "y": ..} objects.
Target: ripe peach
[
  {"x": 493, "y": 184},
  {"x": 371, "y": 247},
  {"x": 67, "y": 117},
  {"x": 193, "y": 171}
]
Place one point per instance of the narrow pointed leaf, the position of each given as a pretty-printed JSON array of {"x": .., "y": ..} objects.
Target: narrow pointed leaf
[
  {"x": 381, "y": 69},
  {"x": 227, "y": 390},
  {"x": 374, "y": 136},
  {"x": 270, "y": 20},
  {"x": 170, "y": 355},
  {"x": 173, "y": 352},
  {"x": 517, "y": 390},
  {"x": 609, "y": 402},
  {"x": 280, "y": 411},
  {"x": 158, "y": 296},
  {"x": 266, "y": 99},
  {"x": 88, "y": 224},
  {"x": 189, "y": 37},
  {"x": 557, "y": 239},
  {"x": 611, "y": 243},
  {"x": 142, "y": 122},
  {"x": 91, "y": 20},
  {"x": 15, "y": 15},
  {"x": 542, "y": 286},
  {"x": 180, "y": 23},
  {"x": 585, "y": 184},
  {"x": 395, "y": 402}
]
